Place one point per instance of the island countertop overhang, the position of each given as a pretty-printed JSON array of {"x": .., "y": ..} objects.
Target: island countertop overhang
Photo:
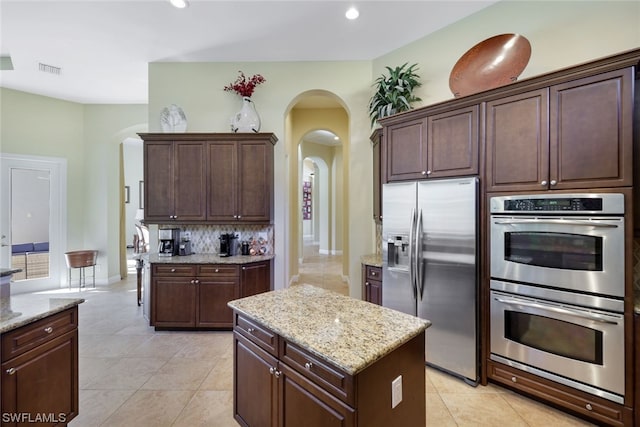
[{"x": 347, "y": 332}]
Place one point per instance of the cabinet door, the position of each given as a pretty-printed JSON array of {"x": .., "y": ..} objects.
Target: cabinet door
[
  {"x": 373, "y": 291},
  {"x": 453, "y": 143},
  {"x": 43, "y": 381},
  {"x": 189, "y": 182},
  {"x": 376, "y": 138},
  {"x": 592, "y": 132},
  {"x": 406, "y": 150},
  {"x": 158, "y": 179},
  {"x": 173, "y": 302},
  {"x": 213, "y": 296},
  {"x": 223, "y": 181},
  {"x": 303, "y": 403},
  {"x": 255, "y": 278},
  {"x": 517, "y": 132},
  {"x": 255, "y": 174},
  {"x": 255, "y": 387}
]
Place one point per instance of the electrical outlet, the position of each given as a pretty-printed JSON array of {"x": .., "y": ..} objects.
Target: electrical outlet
[{"x": 396, "y": 392}]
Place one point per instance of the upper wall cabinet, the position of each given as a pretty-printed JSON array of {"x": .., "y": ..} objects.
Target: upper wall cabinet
[
  {"x": 217, "y": 178},
  {"x": 433, "y": 145},
  {"x": 576, "y": 134}
]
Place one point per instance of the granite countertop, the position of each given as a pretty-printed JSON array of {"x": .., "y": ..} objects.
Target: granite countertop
[
  {"x": 24, "y": 309},
  {"x": 350, "y": 333},
  {"x": 374, "y": 260},
  {"x": 207, "y": 259}
]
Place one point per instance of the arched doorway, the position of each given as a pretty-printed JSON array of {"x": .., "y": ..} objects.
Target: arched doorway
[{"x": 311, "y": 113}]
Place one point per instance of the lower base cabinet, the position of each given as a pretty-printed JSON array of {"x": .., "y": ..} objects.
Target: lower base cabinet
[
  {"x": 40, "y": 372},
  {"x": 597, "y": 410},
  {"x": 195, "y": 296},
  {"x": 279, "y": 384},
  {"x": 372, "y": 284}
]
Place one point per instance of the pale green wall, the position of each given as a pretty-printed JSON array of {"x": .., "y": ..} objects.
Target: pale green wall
[
  {"x": 561, "y": 33},
  {"x": 40, "y": 126},
  {"x": 87, "y": 136}
]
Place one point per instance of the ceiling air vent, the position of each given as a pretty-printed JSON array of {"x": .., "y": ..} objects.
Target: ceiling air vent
[{"x": 49, "y": 68}]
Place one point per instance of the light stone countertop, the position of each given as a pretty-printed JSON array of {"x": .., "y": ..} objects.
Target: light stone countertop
[
  {"x": 25, "y": 309},
  {"x": 207, "y": 259},
  {"x": 374, "y": 260},
  {"x": 350, "y": 333}
]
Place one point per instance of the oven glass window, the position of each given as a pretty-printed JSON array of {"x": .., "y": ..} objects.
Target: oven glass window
[
  {"x": 555, "y": 250},
  {"x": 554, "y": 336}
]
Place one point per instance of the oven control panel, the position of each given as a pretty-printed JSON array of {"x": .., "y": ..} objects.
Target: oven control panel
[
  {"x": 563, "y": 204},
  {"x": 609, "y": 203}
]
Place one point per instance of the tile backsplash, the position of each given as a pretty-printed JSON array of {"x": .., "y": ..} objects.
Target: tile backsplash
[{"x": 205, "y": 238}]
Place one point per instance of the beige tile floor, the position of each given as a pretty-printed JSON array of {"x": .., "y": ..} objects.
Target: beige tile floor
[{"x": 131, "y": 375}]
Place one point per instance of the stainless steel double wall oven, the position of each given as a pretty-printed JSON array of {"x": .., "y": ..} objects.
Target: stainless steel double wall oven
[{"x": 557, "y": 288}]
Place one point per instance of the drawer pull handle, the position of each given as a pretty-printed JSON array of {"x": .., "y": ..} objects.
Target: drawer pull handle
[
  {"x": 173, "y": 270},
  {"x": 48, "y": 329},
  {"x": 589, "y": 407},
  {"x": 373, "y": 273},
  {"x": 308, "y": 365},
  {"x": 217, "y": 270},
  {"x": 273, "y": 371},
  {"x": 514, "y": 379},
  {"x": 250, "y": 330},
  {"x": 11, "y": 371}
]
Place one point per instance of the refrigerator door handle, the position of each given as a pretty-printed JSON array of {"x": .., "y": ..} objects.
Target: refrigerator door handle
[
  {"x": 418, "y": 256},
  {"x": 412, "y": 267}
]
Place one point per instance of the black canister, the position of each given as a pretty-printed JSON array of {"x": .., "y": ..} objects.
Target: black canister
[{"x": 244, "y": 247}]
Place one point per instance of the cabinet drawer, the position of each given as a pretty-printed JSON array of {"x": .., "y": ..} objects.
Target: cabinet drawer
[
  {"x": 37, "y": 333},
  {"x": 374, "y": 273},
  {"x": 174, "y": 270},
  {"x": 319, "y": 371},
  {"x": 573, "y": 400},
  {"x": 257, "y": 333},
  {"x": 218, "y": 270}
]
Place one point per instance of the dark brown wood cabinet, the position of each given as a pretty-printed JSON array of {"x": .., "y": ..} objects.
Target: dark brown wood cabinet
[
  {"x": 196, "y": 295},
  {"x": 40, "y": 370},
  {"x": 573, "y": 135},
  {"x": 372, "y": 284},
  {"x": 378, "y": 173},
  {"x": 217, "y": 178},
  {"x": 174, "y": 181},
  {"x": 255, "y": 278},
  {"x": 585, "y": 405},
  {"x": 436, "y": 145},
  {"x": 278, "y": 383}
]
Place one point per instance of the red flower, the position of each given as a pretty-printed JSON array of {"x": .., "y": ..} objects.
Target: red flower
[{"x": 243, "y": 86}]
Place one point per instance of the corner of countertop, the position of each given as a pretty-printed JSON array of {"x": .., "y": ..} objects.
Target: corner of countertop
[{"x": 374, "y": 260}]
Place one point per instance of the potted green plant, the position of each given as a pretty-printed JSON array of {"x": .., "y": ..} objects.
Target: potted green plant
[{"x": 394, "y": 93}]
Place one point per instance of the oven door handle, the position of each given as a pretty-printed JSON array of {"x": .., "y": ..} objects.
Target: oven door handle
[
  {"x": 556, "y": 221},
  {"x": 591, "y": 316}
]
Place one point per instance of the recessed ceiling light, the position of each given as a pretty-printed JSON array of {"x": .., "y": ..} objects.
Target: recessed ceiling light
[
  {"x": 352, "y": 13},
  {"x": 180, "y": 4}
]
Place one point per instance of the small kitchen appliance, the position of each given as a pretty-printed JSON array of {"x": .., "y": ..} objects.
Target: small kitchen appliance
[
  {"x": 184, "y": 248},
  {"x": 169, "y": 241},
  {"x": 228, "y": 244}
]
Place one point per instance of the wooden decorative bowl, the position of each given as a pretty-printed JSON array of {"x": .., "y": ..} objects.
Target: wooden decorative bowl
[
  {"x": 77, "y": 259},
  {"x": 492, "y": 63}
]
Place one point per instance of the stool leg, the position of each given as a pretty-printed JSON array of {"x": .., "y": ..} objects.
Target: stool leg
[
  {"x": 69, "y": 275},
  {"x": 94, "y": 276}
]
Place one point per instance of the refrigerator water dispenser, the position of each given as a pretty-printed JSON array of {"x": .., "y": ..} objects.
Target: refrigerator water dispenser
[{"x": 398, "y": 251}]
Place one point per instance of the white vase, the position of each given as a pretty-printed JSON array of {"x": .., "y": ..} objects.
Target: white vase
[{"x": 247, "y": 119}]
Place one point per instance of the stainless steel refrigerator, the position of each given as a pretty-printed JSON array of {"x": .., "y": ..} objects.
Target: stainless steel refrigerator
[{"x": 430, "y": 269}]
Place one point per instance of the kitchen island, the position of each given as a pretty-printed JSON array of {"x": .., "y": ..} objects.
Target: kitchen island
[
  {"x": 39, "y": 358},
  {"x": 308, "y": 356}
]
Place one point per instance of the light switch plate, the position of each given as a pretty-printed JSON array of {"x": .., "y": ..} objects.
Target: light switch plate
[{"x": 396, "y": 391}]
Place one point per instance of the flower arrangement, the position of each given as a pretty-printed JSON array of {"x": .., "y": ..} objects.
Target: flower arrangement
[{"x": 243, "y": 86}]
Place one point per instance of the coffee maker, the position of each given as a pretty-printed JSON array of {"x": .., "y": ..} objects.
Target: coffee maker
[
  {"x": 228, "y": 244},
  {"x": 169, "y": 241}
]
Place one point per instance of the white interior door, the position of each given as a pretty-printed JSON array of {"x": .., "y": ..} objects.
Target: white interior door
[{"x": 32, "y": 210}]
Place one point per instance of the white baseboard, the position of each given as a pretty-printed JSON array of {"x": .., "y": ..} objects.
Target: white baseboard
[{"x": 323, "y": 251}]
